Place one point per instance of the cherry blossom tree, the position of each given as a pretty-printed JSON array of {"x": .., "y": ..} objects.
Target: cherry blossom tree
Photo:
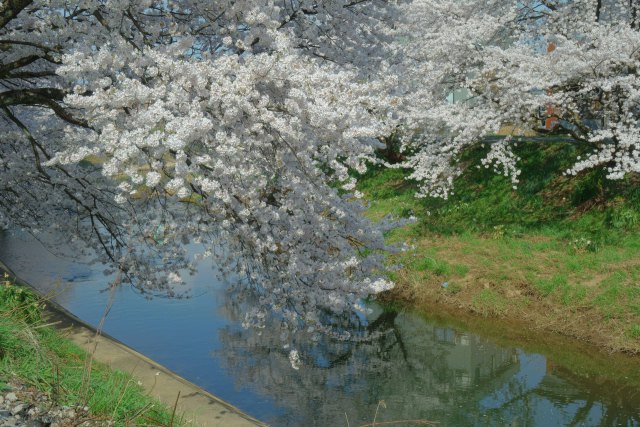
[
  {"x": 473, "y": 67},
  {"x": 141, "y": 126}
]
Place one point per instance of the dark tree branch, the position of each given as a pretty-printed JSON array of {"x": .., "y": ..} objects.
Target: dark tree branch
[
  {"x": 45, "y": 97},
  {"x": 10, "y": 9},
  {"x": 18, "y": 63},
  {"x": 30, "y": 74},
  {"x": 354, "y": 3},
  {"x": 27, "y": 96},
  {"x": 25, "y": 43},
  {"x": 549, "y": 5},
  {"x": 31, "y": 139}
]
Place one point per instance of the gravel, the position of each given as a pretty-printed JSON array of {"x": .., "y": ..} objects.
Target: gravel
[{"x": 22, "y": 406}]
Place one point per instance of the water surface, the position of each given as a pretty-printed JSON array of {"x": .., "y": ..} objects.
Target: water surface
[{"x": 413, "y": 369}]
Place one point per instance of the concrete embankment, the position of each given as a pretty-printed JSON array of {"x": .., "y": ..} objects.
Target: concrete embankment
[{"x": 194, "y": 403}]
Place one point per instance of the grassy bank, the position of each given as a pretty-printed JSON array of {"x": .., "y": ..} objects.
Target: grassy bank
[
  {"x": 559, "y": 253},
  {"x": 36, "y": 355}
]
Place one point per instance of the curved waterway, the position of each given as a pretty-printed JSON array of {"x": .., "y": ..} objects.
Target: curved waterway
[{"x": 414, "y": 369}]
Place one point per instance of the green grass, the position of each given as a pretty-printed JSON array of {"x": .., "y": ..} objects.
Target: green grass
[
  {"x": 634, "y": 332},
  {"x": 570, "y": 242},
  {"x": 39, "y": 356},
  {"x": 548, "y": 286},
  {"x": 488, "y": 302},
  {"x": 586, "y": 207}
]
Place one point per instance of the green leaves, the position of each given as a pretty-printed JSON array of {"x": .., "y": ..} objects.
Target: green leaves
[{"x": 19, "y": 300}]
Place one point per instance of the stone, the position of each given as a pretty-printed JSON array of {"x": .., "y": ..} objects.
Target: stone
[
  {"x": 10, "y": 422},
  {"x": 18, "y": 409},
  {"x": 11, "y": 397}
]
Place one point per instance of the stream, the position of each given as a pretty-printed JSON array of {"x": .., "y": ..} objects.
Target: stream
[{"x": 413, "y": 368}]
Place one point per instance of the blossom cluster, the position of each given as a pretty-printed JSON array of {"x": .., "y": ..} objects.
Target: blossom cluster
[
  {"x": 231, "y": 125},
  {"x": 476, "y": 68}
]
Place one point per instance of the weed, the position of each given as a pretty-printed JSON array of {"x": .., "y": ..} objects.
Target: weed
[
  {"x": 582, "y": 245},
  {"x": 461, "y": 269},
  {"x": 453, "y": 288},
  {"x": 634, "y": 331},
  {"x": 488, "y": 302},
  {"x": 624, "y": 217},
  {"x": 18, "y": 300},
  {"x": 572, "y": 294},
  {"x": 589, "y": 187},
  {"x": 498, "y": 231},
  {"x": 42, "y": 358},
  {"x": 439, "y": 268},
  {"x": 547, "y": 286}
]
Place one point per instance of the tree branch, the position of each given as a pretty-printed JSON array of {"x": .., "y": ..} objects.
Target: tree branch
[
  {"x": 18, "y": 63},
  {"x": 45, "y": 97},
  {"x": 10, "y": 9}
]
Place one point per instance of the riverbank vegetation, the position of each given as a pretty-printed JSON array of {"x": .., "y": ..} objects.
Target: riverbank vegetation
[
  {"x": 36, "y": 356},
  {"x": 559, "y": 252}
]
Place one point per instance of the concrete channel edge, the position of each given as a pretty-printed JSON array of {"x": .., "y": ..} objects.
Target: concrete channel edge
[{"x": 195, "y": 404}]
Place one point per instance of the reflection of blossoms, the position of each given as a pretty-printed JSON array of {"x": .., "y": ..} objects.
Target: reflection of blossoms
[
  {"x": 174, "y": 277},
  {"x": 420, "y": 369},
  {"x": 393, "y": 357},
  {"x": 294, "y": 359}
]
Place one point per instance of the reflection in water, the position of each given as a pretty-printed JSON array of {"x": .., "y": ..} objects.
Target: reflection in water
[{"x": 419, "y": 369}]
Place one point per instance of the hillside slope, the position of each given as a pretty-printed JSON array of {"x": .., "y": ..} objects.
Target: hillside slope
[{"x": 560, "y": 253}]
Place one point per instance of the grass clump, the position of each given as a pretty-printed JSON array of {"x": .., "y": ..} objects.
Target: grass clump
[
  {"x": 489, "y": 302},
  {"x": 35, "y": 354},
  {"x": 634, "y": 332}
]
